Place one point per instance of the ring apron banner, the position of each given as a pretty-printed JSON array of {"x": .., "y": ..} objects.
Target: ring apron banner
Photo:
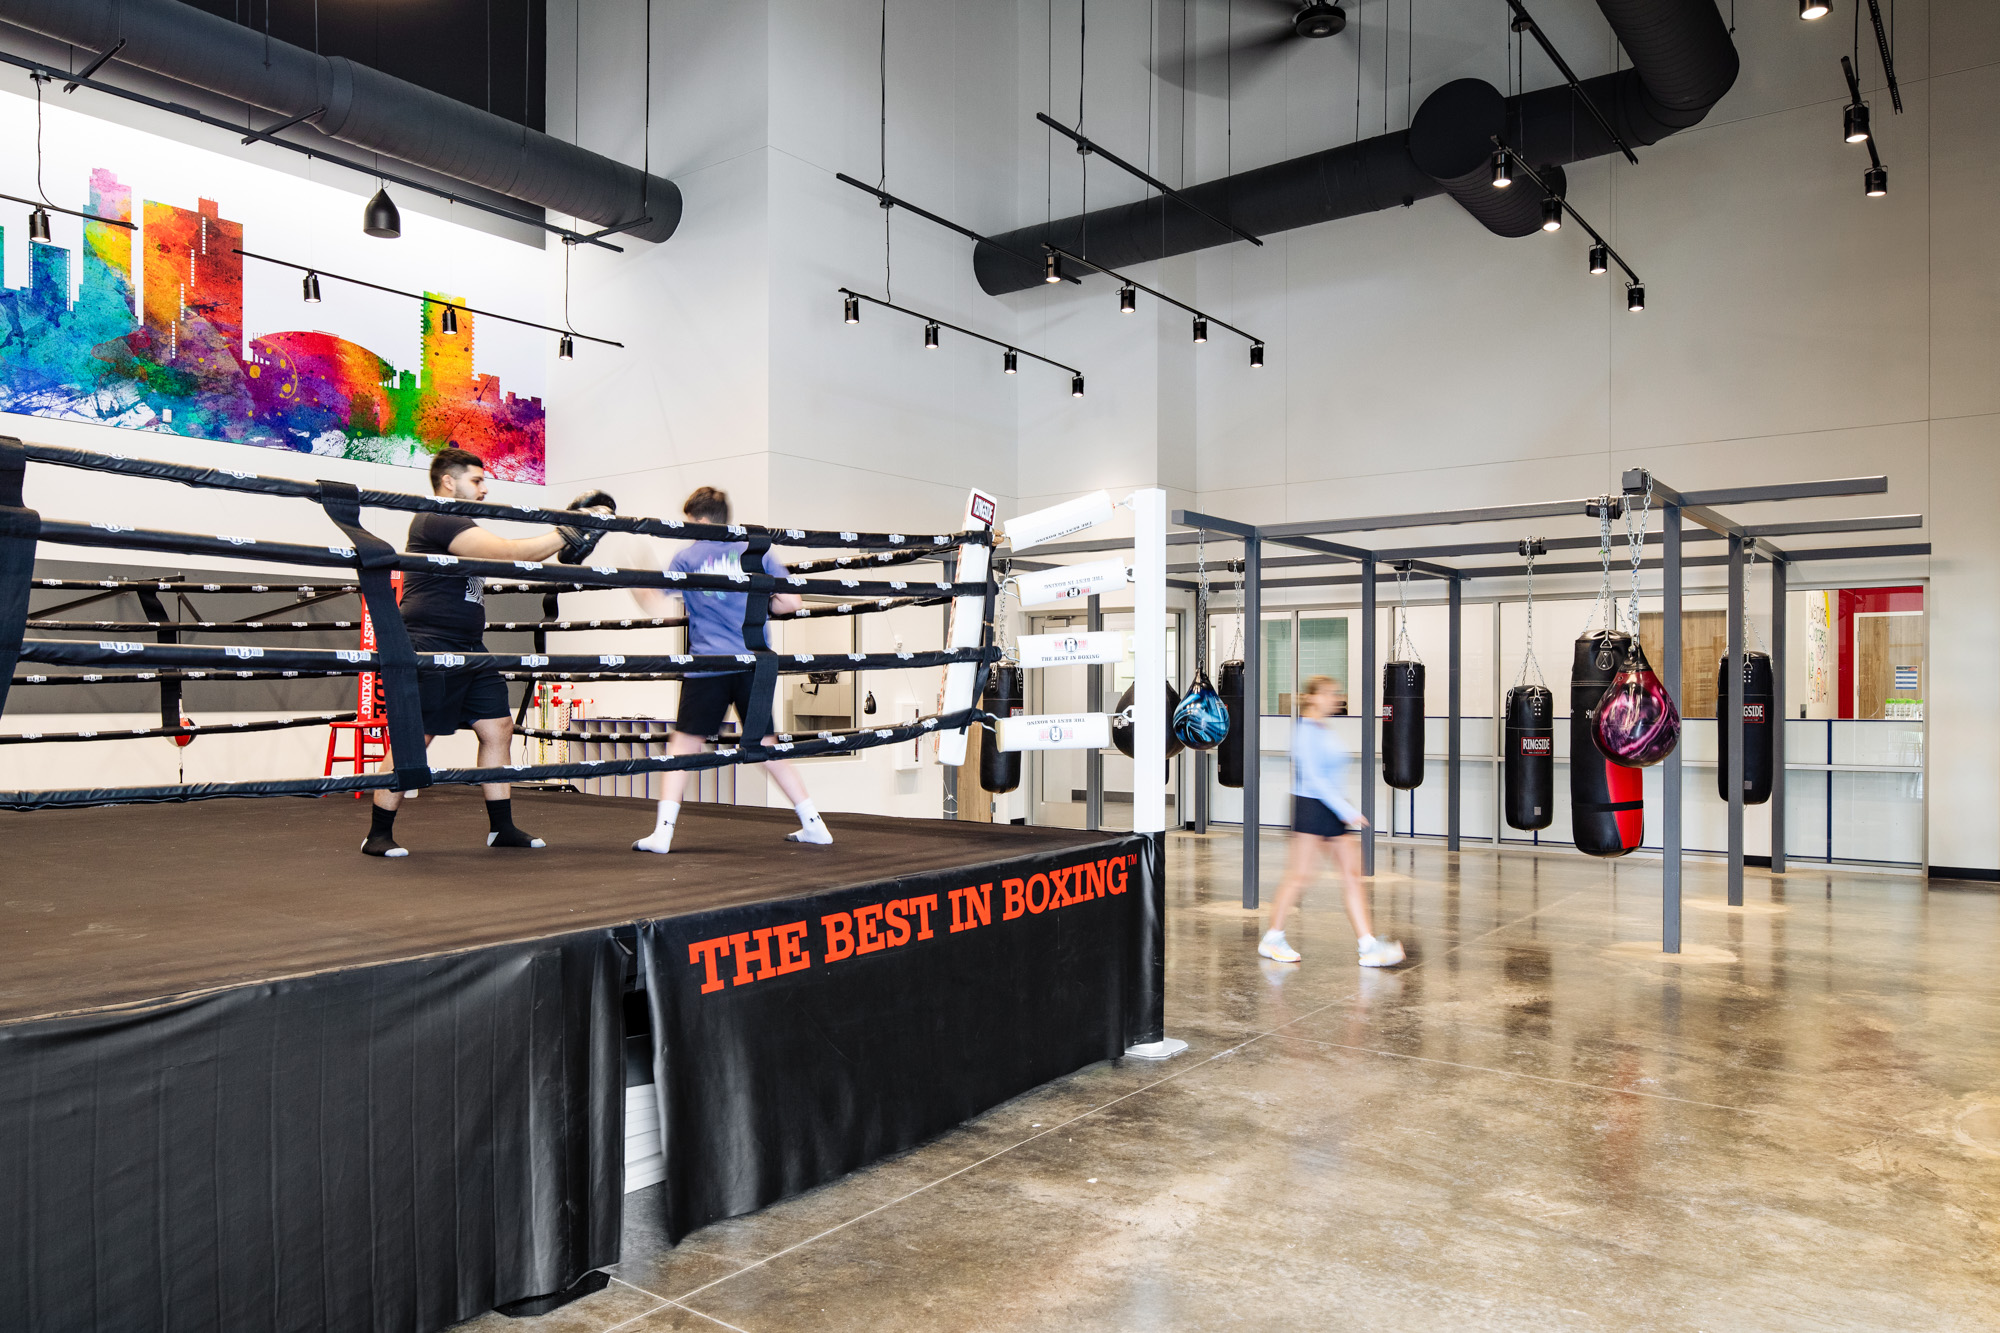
[{"x": 795, "y": 1041}]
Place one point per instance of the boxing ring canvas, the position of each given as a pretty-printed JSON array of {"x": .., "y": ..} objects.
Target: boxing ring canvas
[{"x": 249, "y": 1080}]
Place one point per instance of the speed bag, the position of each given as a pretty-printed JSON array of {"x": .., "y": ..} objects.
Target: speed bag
[
  {"x": 1529, "y": 775},
  {"x": 1000, "y": 770},
  {"x": 1607, "y": 808},
  {"x": 1403, "y": 724},
  {"x": 1757, "y": 724},
  {"x": 1229, "y": 754},
  {"x": 1125, "y": 736}
]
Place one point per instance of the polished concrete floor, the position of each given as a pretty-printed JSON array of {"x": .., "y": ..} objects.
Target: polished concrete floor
[{"x": 1537, "y": 1122}]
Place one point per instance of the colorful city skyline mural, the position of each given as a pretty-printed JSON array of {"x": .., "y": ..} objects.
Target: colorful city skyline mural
[{"x": 173, "y": 356}]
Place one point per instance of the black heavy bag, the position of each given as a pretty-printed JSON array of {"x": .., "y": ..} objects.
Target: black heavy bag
[
  {"x": 1607, "y": 809},
  {"x": 1229, "y": 754},
  {"x": 1000, "y": 770},
  {"x": 1403, "y": 724},
  {"x": 1529, "y": 776},
  {"x": 1757, "y": 724},
  {"x": 1125, "y": 736}
]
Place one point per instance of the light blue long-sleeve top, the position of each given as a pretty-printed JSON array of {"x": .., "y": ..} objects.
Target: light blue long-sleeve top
[{"x": 1319, "y": 766}]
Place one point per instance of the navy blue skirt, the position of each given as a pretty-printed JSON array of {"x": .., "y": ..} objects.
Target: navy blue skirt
[{"x": 1314, "y": 816}]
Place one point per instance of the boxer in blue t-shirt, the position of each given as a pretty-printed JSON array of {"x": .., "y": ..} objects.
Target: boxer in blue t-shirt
[{"x": 715, "y": 627}]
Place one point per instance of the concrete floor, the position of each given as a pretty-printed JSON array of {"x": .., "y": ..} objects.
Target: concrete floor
[{"x": 1537, "y": 1122}]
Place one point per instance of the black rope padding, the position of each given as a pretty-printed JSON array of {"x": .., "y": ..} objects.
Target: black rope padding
[
  {"x": 199, "y": 626},
  {"x": 183, "y": 585},
  {"x": 675, "y": 529},
  {"x": 20, "y": 528},
  {"x": 724, "y": 757},
  {"x": 876, "y": 561},
  {"x": 210, "y": 729},
  {"x": 76, "y": 652},
  {"x": 124, "y": 537},
  {"x": 155, "y": 677},
  {"x": 396, "y": 657}
]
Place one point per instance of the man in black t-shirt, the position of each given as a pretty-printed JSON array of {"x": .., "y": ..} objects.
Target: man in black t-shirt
[{"x": 446, "y": 613}]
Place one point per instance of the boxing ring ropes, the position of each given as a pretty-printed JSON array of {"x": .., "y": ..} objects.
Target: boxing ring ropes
[
  {"x": 1700, "y": 508},
  {"x": 970, "y": 651}
]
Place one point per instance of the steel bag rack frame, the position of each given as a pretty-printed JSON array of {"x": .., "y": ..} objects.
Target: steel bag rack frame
[{"x": 1701, "y": 509}]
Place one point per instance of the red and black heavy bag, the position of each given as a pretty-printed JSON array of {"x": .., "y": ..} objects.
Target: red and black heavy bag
[
  {"x": 1403, "y": 724},
  {"x": 1607, "y": 808},
  {"x": 1229, "y": 754},
  {"x": 1000, "y": 770},
  {"x": 1757, "y": 724},
  {"x": 1529, "y": 774}
]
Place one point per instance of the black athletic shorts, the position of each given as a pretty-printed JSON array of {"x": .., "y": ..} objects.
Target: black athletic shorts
[
  {"x": 454, "y": 697},
  {"x": 1314, "y": 816},
  {"x": 706, "y": 700}
]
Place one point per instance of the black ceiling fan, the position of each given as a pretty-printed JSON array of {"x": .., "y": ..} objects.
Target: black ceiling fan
[{"x": 1273, "y": 30}]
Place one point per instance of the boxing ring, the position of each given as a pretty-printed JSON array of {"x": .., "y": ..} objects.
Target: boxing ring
[{"x": 251, "y": 1079}]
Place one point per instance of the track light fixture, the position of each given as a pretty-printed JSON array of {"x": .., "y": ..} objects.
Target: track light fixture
[
  {"x": 380, "y": 218},
  {"x": 1600, "y": 259},
  {"x": 1256, "y": 356},
  {"x": 1076, "y": 386},
  {"x": 448, "y": 321},
  {"x": 1815, "y": 9},
  {"x": 1635, "y": 297},
  {"x": 38, "y": 225},
  {"x": 1128, "y": 299},
  {"x": 850, "y": 310},
  {"x": 1503, "y": 170},
  {"x": 1010, "y": 363},
  {"x": 1555, "y": 206},
  {"x": 931, "y": 336},
  {"x": 1010, "y": 355},
  {"x": 1875, "y": 182},
  {"x": 1552, "y": 214},
  {"x": 1854, "y": 123},
  {"x": 1200, "y": 329},
  {"x": 312, "y": 289},
  {"x": 566, "y": 348},
  {"x": 1052, "y": 268},
  {"x": 1128, "y": 289}
]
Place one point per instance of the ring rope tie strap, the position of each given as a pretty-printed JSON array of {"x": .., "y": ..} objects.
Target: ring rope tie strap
[{"x": 395, "y": 655}]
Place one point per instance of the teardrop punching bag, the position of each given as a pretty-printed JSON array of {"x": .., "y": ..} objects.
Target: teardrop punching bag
[
  {"x": 1636, "y": 723},
  {"x": 1529, "y": 775},
  {"x": 1607, "y": 809},
  {"x": 1201, "y": 721},
  {"x": 1229, "y": 754},
  {"x": 1403, "y": 724},
  {"x": 1125, "y": 736},
  {"x": 1000, "y": 770},
  {"x": 1757, "y": 724}
]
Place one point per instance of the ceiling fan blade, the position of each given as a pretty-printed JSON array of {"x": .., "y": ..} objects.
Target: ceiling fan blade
[{"x": 1206, "y": 65}]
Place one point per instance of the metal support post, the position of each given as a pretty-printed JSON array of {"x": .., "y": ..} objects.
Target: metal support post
[
  {"x": 1777, "y": 719},
  {"x": 1733, "y": 779},
  {"x": 1253, "y": 708},
  {"x": 1093, "y": 702},
  {"x": 1369, "y": 722},
  {"x": 1203, "y": 759},
  {"x": 1670, "y": 779},
  {"x": 1451, "y": 791}
]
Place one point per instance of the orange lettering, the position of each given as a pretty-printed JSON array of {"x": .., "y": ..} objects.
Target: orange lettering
[
  {"x": 892, "y": 916},
  {"x": 1043, "y": 906},
  {"x": 705, "y": 953},
  {"x": 979, "y": 903},
  {"x": 1093, "y": 878},
  {"x": 791, "y": 958},
  {"x": 1061, "y": 879},
  {"x": 1114, "y": 875},
  {"x": 865, "y": 938},
  {"x": 924, "y": 907},
  {"x": 761, "y": 956},
  {"x": 839, "y": 936},
  {"x": 1016, "y": 899}
]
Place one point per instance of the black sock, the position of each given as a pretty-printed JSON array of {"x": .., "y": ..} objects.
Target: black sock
[
  {"x": 500, "y": 818},
  {"x": 381, "y": 833}
]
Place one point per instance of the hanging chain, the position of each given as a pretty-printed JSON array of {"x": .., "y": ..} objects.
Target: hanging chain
[
  {"x": 1750, "y": 629},
  {"x": 1637, "y": 544},
  {"x": 1242, "y": 613},
  {"x": 1201, "y": 595},
  {"x": 1528, "y": 660},
  {"x": 1404, "y": 650},
  {"x": 1003, "y": 628},
  {"x": 1606, "y": 604}
]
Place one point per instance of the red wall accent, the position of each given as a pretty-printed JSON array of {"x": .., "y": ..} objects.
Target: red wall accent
[{"x": 1852, "y": 600}]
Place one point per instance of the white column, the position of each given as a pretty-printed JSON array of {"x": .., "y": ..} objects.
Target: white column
[{"x": 1149, "y": 652}]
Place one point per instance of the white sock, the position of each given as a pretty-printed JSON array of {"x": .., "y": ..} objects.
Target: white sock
[
  {"x": 811, "y": 827},
  {"x": 1273, "y": 934},
  {"x": 661, "y": 839},
  {"x": 1365, "y": 943}
]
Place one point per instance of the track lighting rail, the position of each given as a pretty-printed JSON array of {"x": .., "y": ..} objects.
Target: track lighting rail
[
  {"x": 58, "y": 208},
  {"x": 888, "y": 200},
  {"x": 931, "y": 321},
  {"x": 40, "y": 70},
  {"x": 1525, "y": 23},
  {"x": 417, "y": 296},
  {"x": 1155, "y": 293},
  {"x": 1084, "y": 145},
  {"x": 1563, "y": 200}
]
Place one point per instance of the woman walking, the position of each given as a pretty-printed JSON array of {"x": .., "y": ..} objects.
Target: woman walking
[{"x": 1321, "y": 820}]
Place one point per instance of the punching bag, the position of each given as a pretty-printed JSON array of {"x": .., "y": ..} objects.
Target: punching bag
[
  {"x": 1201, "y": 721},
  {"x": 1403, "y": 724},
  {"x": 1000, "y": 770},
  {"x": 1229, "y": 754},
  {"x": 1125, "y": 736},
  {"x": 1607, "y": 810},
  {"x": 1636, "y": 722},
  {"x": 1529, "y": 775},
  {"x": 1757, "y": 724}
]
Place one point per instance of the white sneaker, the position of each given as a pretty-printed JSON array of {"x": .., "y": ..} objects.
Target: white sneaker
[
  {"x": 1273, "y": 946},
  {"x": 1379, "y": 953}
]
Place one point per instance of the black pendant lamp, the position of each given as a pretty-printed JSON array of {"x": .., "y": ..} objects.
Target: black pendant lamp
[
  {"x": 380, "y": 218},
  {"x": 38, "y": 225},
  {"x": 448, "y": 322},
  {"x": 312, "y": 289}
]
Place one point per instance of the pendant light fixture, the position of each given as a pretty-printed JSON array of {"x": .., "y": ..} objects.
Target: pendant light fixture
[
  {"x": 1200, "y": 329},
  {"x": 1815, "y": 9},
  {"x": 1552, "y": 214},
  {"x": 448, "y": 322},
  {"x": 851, "y": 310},
  {"x": 1635, "y": 297},
  {"x": 1503, "y": 172},
  {"x": 1600, "y": 259},
  {"x": 931, "y": 336},
  {"x": 38, "y": 225},
  {"x": 380, "y": 218},
  {"x": 1076, "y": 386},
  {"x": 934, "y": 326},
  {"x": 1128, "y": 299},
  {"x": 1256, "y": 356},
  {"x": 566, "y": 348},
  {"x": 312, "y": 289},
  {"x": 1875, "y": 182},
  {"x": 1052, "y": 268},
  {"x": 1010, "y": 363},
  {"x": 1854, "y": 123}
]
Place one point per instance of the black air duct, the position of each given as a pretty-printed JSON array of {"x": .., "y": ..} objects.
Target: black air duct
[
  {"x": 364, "y": 107},
  {"x": 1682, "y": 64}
]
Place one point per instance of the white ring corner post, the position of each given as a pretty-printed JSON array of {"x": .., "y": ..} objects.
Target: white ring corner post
[{"x": 1149, "y": 713}]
